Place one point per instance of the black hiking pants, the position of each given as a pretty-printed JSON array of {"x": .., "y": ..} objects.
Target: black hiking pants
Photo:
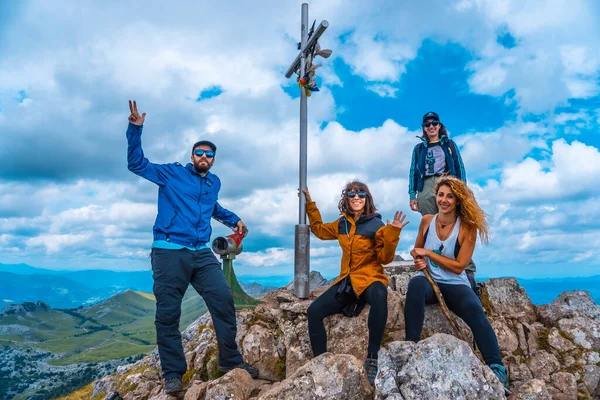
[
  {"x": 173, "y": 271},
  {"x": 462, "y": 301},
  {"x": 328, "y": 304}
]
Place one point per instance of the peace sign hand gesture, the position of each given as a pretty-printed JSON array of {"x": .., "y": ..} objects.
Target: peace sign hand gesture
[
  {"x": 135, "y": 117},
  {"x": 398, "y": 221}
]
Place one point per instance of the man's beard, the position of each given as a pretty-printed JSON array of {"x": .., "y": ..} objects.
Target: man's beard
[{"x": 202, "y": 169}]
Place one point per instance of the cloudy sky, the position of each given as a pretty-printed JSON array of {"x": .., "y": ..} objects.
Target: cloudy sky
[{"x": 517, "y": 85}]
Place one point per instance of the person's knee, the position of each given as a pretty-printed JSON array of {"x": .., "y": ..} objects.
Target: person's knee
[
  {"x": 472, "y": 308},
  {"x": 167, "y": 316},
  {"x": 377, "y": 293},
  {"x": 417, "y": 286},
  {"x": 314, "y": 313}
]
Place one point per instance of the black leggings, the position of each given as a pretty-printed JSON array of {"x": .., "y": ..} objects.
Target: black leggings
[
  {"x": 463, "y": 302},
  {"x": 327, "y": 304}
]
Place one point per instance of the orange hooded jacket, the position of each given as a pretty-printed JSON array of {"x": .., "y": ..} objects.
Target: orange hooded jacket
[{"x": 366, "y": 245}]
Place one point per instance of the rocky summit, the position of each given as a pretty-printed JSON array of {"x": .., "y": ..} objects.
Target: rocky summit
[{"x": 551, "y": 352}]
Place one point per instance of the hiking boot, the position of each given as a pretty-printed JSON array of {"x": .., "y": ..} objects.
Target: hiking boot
[
  {"x": 500, "y": 372},
  {"x": 371, "y": 368},
  {"x": 253, "y": 371},
  {"x": 173, "y": 386}
]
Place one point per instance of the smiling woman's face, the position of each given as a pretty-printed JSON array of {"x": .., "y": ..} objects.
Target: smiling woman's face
[
  {"x": 446, "y": 200},
  {"x": 357, "y": 199}
]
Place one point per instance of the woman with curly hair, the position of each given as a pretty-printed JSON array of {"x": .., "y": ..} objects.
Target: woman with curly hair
[
  {"x": 444, "y": 245},
  {"x": 366, "y": 244}
]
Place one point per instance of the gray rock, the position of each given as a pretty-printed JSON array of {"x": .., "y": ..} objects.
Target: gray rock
[
  {"x": 234, "y": 385},
  {"x": 534, "y": 389},
  {"x": 197, "y": 391},
  {"x": 264, "y": 348},
  {"x": 507, "y": 339},
  {"x": 591, "y": 378},
  {"x": 104, "y": 385},
  {"x": 509, "y": 300},
  {"x": 328, "y": 376},
  {"x": 584, "y": 332},
  {"x": 566, "y": 384},
  {"x": 441, "y": 366},
  {"x": 569, "y": 305},
  {"x": 542, "y": 364}
]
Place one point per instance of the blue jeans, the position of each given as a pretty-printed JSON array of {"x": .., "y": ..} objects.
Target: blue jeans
[
  {"x": 462, "y": 301},
  {"x": 173, "y": 271}
]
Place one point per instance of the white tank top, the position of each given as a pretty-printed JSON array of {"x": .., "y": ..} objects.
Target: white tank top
[{"x": 446, "y": 249}]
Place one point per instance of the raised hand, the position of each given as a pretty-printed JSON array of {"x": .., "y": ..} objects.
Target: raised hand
[
  {"x": 398, "y": 221},
  {"x": 307, "y": 195},
  {"x": 135, "y": 117}
]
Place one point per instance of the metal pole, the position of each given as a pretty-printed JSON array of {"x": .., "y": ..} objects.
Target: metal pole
[{"x": 302, "y": 233}]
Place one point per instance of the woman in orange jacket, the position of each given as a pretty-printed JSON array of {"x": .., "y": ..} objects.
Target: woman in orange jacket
[{"x": 366, "y": 244}]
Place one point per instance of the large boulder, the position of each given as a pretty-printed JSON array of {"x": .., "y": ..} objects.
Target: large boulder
[
  {"x": 542, "y": 364},
  {"x": 585, "y": 332},
  {"x": 505, "y": 298},
  {"x": 328, "y": 376},
  {"x": 235, "y": 385},
  {"x": 440, "y": 367},
  {"x": 534, "y": 389},
  {"x": 569, "y": 305}
]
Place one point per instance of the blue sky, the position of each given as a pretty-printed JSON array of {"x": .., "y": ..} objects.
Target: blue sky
[{"x": 517, "y": 85}]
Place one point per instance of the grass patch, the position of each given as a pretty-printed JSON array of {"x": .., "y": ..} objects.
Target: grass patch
[
  {"x": 188, "y": 376},
  {"x": 485, "y": 301},
  {"x": 258, "y": 317},
  {"x": 280, "y": 368},
  {"x": 83, "y": 393}
]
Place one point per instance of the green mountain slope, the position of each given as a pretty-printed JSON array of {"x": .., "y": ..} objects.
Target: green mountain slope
[{"x": 118, "y": 327}]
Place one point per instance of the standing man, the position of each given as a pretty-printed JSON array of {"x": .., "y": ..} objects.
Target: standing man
[{"x": 187, "y": 200}]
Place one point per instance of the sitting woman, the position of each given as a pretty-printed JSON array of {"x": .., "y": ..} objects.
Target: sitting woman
[
  {"x": 445, "y": 244},
  {"x": 366, "y": 244}
]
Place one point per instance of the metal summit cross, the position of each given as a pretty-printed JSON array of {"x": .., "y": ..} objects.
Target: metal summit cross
[{"x": 308, "y": 47}]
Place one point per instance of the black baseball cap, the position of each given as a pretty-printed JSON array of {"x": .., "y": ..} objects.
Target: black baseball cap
[
  {"x": 205, "y": 143},
  {"x": 431, "y": 115}
]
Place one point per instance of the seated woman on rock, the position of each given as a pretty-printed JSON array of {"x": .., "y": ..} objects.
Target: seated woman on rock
[
  {"x": 366, "y": 244},
  {"x": 445, "y": 243}
]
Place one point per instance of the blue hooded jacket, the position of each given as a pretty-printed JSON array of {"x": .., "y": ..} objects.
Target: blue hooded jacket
[
  {"x": 454, "y": 164},
  {"x": 186, "y": 200}
]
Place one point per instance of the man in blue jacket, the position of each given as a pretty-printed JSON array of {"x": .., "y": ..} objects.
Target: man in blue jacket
[{"x": 187, "y": 200}]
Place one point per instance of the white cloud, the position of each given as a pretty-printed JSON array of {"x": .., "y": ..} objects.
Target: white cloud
[
  {"x": 65, "y": 190},
  {"x": 383, "y": 90},
  {"x": 56, "y": 243},
  {"x": 271, "y": 257}
]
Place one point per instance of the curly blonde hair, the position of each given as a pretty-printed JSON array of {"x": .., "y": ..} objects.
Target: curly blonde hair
[{"x": 466, "y": 206}]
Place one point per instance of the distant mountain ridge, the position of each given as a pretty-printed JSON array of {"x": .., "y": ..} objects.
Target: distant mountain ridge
[{"x": 70, "y": 289}]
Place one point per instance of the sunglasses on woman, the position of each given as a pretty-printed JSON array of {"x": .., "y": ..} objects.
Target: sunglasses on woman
[
  {"x": 200, "y": 152},
  {"x": 360, "y": 194},
  {"x": 428, "y": 124}
]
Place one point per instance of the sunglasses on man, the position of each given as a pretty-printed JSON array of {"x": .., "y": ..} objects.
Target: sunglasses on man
[
  {"x": 360, "y": 194},
  {"x": 428, "y": 124},
  {"x": 208, "y": 153}
]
